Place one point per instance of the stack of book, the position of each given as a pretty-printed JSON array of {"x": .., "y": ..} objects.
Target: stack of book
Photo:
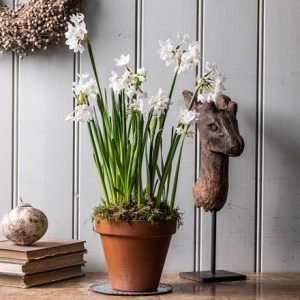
[{"x": 45, "y": 261}]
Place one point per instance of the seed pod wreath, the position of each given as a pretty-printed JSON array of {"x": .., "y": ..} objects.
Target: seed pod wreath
[
  {"x": 34, "y": 25},
  {"x": 138, "y": 181}
]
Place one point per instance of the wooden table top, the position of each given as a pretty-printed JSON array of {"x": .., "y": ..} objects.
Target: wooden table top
[{"x": 257, "y": 286}]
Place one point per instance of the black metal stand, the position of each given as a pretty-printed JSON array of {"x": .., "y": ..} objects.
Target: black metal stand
[{"x": 213, "y": 275}]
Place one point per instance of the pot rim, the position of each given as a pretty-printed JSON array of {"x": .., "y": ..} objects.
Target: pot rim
[{"x": 135, "y": 227}]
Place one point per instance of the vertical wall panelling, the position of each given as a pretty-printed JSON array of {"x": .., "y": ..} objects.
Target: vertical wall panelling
[
  {"x": 230, "y": 40},
  {"x": 259, "y": 132},
  {"x": 138, "y": 32},
  {"x": 6, "y": 75},
  {"x": 162, "y": 20},
  {"x": 197, "y": 211},
  {"x": 15, "y": 130},
  {"x": 111, "y": 26},
  {"x": 76, "y": 156},
  {"x": 45, "y": 139},
  {"x": 281, "y": 205},
  {"x": 49, "y": 163},
  {"x": 6, "y": 129}
]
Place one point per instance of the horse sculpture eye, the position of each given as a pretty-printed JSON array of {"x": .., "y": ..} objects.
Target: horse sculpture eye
[{"x": 213, "y": 127}]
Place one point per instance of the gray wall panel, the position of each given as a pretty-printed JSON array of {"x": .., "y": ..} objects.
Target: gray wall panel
[
  {"x": 45, "y": 139},
  {"x": 230, "y": 29},
  {"x": 158, "y": 24},
  {"x": 6, "y": 132},
  {"x": 281, "y": 206}
]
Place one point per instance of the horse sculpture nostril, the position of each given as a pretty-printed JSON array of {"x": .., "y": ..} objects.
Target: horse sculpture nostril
[{"x": 234, "y": 148}]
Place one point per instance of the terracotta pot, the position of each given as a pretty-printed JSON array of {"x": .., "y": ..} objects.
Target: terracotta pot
[{"x": 135, "y": 252}]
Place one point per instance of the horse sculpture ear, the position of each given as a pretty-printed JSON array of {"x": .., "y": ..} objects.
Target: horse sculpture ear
[
  {"x": 187, "y": 96},
  {"x": 232, "y": 107},
  {"x": 224, "y": 102}
]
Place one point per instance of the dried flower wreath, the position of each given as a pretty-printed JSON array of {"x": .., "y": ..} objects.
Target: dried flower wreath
[{"x": 34, "y": 24}]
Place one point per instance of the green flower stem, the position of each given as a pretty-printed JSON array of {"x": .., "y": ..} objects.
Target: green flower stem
[
  {"x": 194, "y": 97},
  {"x": 174, "y": 189},
  {"x": 158, "y": 139},
  {"x": 140, "y": 159},
  {"x": 98, "y": 164},
  {"x": 104, "y": 150},
  {"x": 167, "y": 167},
  {"x": 92, "y": 59},
  {"x": 173, "y": 83},
  {"x": 169, "y": 177},
  {"x": 164, "y": 116}
]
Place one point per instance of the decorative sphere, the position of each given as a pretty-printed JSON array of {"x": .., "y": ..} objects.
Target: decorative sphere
[{"x": 24, "y": 225}]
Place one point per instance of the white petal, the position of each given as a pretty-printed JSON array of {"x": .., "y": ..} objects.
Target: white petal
[{"x": 123, "y": 60}]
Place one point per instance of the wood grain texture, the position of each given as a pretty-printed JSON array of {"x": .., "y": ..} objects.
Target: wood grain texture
[
  {"x": 230, "y": 40},
  {"x": 273, "y": 286},
  {"x": 281, "y": 205},
  {"x": 111, "y": 26},
  {"x": 219, "y": 140}
]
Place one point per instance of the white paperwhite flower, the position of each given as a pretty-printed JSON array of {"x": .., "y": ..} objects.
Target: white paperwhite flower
[
  {"x": 114, "y": 77},
  {"x": 219, "y": 84},
  {"x": 190, "y": 58},
  {"x": 137, "y": 105},
  {"x": 118, "y": 83},
  {"x": 166, "y": 52},
  {"x": 123, "y": 60},
  {"x": 82, "y": 113},
  {"x": 212, "y": 67},
  {"x": 188, "y": 117},
  {"x": 203, "y": 98},
  {"x": 189, "y": 133},
  {"x": 183, "y": 37},
  {"x": 131, "y": 92},
  {"x": 179, "y": 130},
  {"x": 85, "y": 86},
  {"x": 125, "y": 79},
  {"x": 138, "y": 93},
  {"x": 159, "y": 103},
  {"x": 76, "y": 33},
  {"x": 141, "y": 74}
]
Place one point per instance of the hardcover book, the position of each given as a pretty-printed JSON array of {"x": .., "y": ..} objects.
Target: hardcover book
[
  {"x": 22, "y": 267},
  {"x": 41, "y": 278},
  {"x": 43, "y": 248}
]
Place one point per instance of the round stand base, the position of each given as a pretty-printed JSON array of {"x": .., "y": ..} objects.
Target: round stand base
[{"x": 105, "y": 288}]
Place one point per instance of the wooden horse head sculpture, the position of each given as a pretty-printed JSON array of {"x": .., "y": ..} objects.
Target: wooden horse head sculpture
[{"x": 219, "y": 139}]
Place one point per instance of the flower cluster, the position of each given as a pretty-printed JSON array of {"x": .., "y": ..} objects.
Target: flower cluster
[
  {"x": 186, "y": 58},
  {"x": 212, "y": 83},
  {"x": 84, "y": 90},
  {"x": 137, "y": 105},
  {"x": 159, "y": 103},
  {"x": 129, "y": 81},
  {"x": 76, "y": 33},
  {"x": 186, "y": 119},
  {"x": 81, "y": 113}
]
